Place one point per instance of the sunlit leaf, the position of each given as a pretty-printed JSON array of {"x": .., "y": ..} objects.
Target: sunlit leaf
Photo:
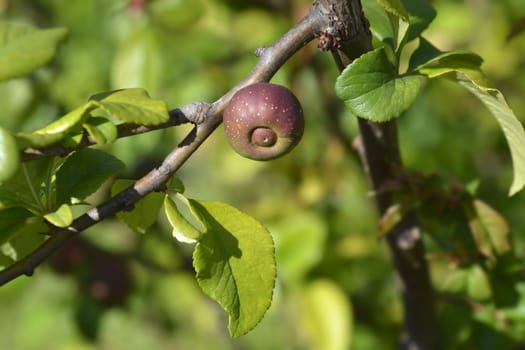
[
  {"x": 478, "y": 285},
  {"x": 83, "y": 172},
  {"x": 133, "y": 106},
  {"x": 394, "y": 7},
  {"x": 62, "y": 217},
  {"x": 24, "y": 48},
  {"x": 488, "y": 227},
  {"x": 235, "y": 265},
  {"x": 371, "y": 88},
  {"x": 9, "y": 155},
  {"x": 55, "y": 131},
  {"x": 144, "y": 212},
  {"x": 432, "y": 62},
  {"x": 102, "y": 130},
  {"x": 183, "y": 230}
]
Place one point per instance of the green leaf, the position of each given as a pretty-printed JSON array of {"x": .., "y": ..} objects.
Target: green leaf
[
  {"x": 133, "y": 106},
  {"x": 183, "y": 230},
  {"x": 512, "y": 129},
  {"x": 24, "y": 48},
  {"x": 175, "y": 184},
  {"x": 83, "y": 172},
  {"x": 141, "y": 52},
  {"x": 56, "y": 131},
  {"x": 176, "y": 14},
  {"x": 381, "y": 24},
  {"x": 395, "y": 7},
  {"x": 9, "y": 156},
  {"x": 488, "y": 227},
  {"x": 145, "y": 211},
  {"x": 421, "y": 14},
  {"x": 433, "y": 62},
  {"x": 27, "y": 188},
  {"x": 371, "y": 88},
  {"x": 235, "y": 265},
  {"x": 102, "y": 130},
  {"x": 30, "y": 236},
  {"x": 11, "y": 220},
  {"x": 62, "y": 217},
  {"x": 464, "y": 68},
  {"x": 478, "y": 285}
]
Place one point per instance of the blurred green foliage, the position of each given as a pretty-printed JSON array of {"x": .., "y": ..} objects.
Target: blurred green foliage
[{"x": 116, "y": 289}]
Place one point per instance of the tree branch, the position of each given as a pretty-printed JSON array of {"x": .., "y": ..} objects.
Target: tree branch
[
  {"x": 271, "y": 59},
  {"x": 381, "y": 160},
  {"x": 177, "y": 117}
]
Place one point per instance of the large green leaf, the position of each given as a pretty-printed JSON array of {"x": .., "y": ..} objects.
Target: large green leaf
[
  {"x": 9, "y": 156},
  {"x": 133, "y": 106},
  {"x": 83, "y": 172},
  {"x": 371, "y": 88},
  {"x": 235, "y": 263},
  {"x": 145, "y": 211},
  {"x": 24, "y": 48}
]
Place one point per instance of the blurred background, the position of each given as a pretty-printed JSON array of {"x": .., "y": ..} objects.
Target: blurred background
[{"x": 117, "y": 289}]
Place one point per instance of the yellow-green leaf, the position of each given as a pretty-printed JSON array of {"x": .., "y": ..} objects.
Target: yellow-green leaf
[
  {"x": 24, "y": 48},
  {"x": 62, "y": 217},
  {"x": 183, "y": 230},
  {"x": 235, "y": 263}
]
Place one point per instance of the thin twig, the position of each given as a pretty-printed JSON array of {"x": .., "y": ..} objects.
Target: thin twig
[{"x": 177, "y": 117}]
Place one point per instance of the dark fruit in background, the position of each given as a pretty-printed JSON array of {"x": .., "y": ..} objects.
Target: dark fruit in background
[{"x": 263, "y": 121}]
